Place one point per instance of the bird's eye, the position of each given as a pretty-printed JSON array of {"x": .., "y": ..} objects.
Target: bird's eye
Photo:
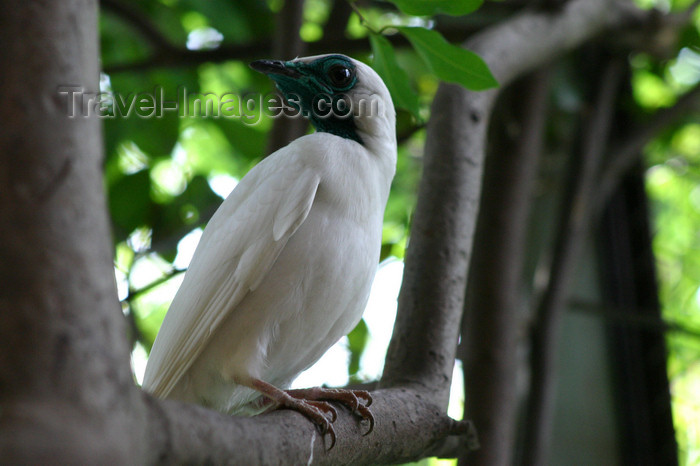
[{"x": 340, "y": 75}]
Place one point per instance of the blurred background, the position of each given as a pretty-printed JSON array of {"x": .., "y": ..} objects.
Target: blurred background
[{"x": 629, "y": 348}]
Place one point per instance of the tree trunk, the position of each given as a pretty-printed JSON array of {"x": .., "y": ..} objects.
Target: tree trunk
[
  {"x": 65, "y": 385},
  {"x": 493, "y": 313}
]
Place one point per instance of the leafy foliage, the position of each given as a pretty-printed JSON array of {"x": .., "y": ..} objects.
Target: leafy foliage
[
  {"x": 673, "y": 186},
  {"x": 393, "y": 75},
  {"x": 449, "y": 62},
  {"x": 434, "y": 7},
  {"x": 161, "y": 164}
]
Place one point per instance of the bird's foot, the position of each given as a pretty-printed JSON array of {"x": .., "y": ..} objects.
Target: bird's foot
[
  {"x": 316, "y": 410},
  {"x": 350, "y": 398}
]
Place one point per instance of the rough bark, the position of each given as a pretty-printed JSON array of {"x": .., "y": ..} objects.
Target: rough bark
[
  {"x": 407, "y": 425},
  {"x": 432, "y": 293},
  {"x": 65, "y": 384},
  {"x": 493, "y": 311}
]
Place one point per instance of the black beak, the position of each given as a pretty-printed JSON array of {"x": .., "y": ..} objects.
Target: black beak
[{"x": 274, "y": 67}]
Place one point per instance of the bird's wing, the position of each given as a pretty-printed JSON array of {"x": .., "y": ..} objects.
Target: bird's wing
[{"x": 237, "y": 249}]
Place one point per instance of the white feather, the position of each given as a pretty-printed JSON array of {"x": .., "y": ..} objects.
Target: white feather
[{"x": 283, "y": 269}]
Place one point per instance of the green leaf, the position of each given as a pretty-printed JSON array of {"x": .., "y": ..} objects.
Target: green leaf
[
  {"x": 433, "y": 7},
  {"x": 449, "y": 62},
  {"x": 394, "y": 77},
  {"x": 157, "y": 134}
]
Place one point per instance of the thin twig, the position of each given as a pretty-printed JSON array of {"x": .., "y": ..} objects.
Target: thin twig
[
  {"x": 133, "y": 294},
  {"x": 167, "y": 54},
  {"x": 406, "y": 134},
  {"x": 138, "y": 21},
  {"x": 359, "y": 14},
  {"x": 176, "y": 57},
  {"x": 628, "y": 152},
  {"x": 633, "y": 317}
]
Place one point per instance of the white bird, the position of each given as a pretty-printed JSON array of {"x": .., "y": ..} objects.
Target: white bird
[{"x": 284, "y": 267}]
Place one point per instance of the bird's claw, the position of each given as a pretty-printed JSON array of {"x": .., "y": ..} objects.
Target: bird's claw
[
  {"x": 350, "y": 398},
  {"x": 324, "y": 407},
  {"x": 325, "y": 426},
  {"x": 365, "y": 395},
  {"x": 316, "y": 411},
  {"x": 366, "y": 415},
  {"x": 330, "y": 431}
]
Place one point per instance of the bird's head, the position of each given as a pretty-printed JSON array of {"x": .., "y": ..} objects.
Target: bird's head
[{"x": 338, "y": 94}]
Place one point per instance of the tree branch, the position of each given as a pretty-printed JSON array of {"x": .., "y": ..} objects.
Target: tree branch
[
  {"x": 287, "y": 44},
  {"x": 432, "y": 292},
  {"x": 407, "y": 426},
  {"x": 167, "y": 54},
  {"x": 177, "y": 57},
  {"x": 494, "y": 294},
  {"x": 65, "y": 384},
  {"x": 627, "y": 153},
  {"x": 574, "y": 215},
  {"x": 140, "y": 22},
  {"x": 638, "y": 317}
]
